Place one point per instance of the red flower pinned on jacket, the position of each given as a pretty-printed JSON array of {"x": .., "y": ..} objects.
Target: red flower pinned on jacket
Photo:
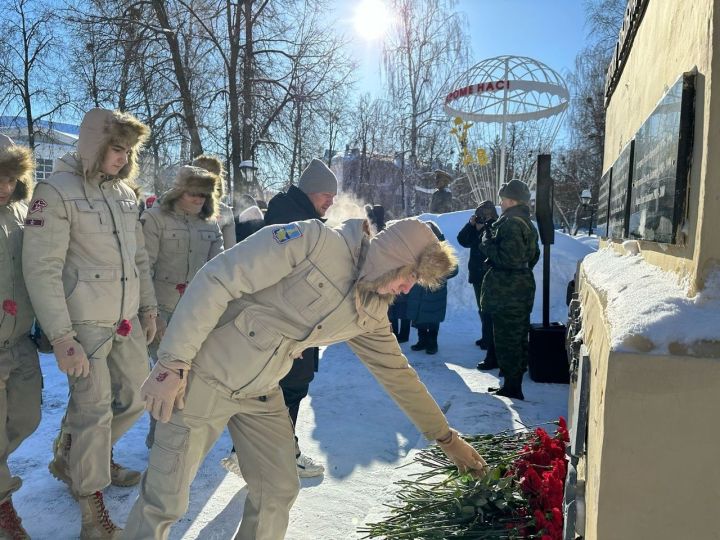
[
  {"x": 10, "y": 307},
  {"x": 180, "y": 287},
  {"x": 124, "y": 328}
]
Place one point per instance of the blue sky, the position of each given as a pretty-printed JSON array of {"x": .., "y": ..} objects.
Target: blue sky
[{"x": 552, "y": 31}]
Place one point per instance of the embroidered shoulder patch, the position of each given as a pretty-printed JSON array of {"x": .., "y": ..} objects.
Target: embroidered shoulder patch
[
  {"x": 37, "y": 206},
  {"x": 286, "y": 233},
  {"x": 38, "y": 222}
]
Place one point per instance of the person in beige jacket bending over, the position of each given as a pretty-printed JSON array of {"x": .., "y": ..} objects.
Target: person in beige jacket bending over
[
  {"x": 225, "y": 216},
  {"x": 20, "y": 378},
  {"x": 244, "y": 318},
  {"x": 181, "y": 235},
  {"x": 87, "y": 272}
]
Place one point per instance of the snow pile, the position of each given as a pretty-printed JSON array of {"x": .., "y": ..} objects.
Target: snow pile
[{"x": 649, "y": 309}]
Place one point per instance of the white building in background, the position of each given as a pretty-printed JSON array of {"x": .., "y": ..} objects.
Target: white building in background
[{"x": 52, "y": 140}]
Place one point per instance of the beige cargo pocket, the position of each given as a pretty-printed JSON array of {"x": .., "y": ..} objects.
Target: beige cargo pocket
[
  {"x": 92, "y": 219},
  {"x": 167, "y": 454},
  {"x": 175, "y": 241},
  {"x": 92, "y": 297}
]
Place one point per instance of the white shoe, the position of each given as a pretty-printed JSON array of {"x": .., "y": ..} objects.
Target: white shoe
[
  {"x": 231, "y": 464},
  {"x": 307, "y": 468}
]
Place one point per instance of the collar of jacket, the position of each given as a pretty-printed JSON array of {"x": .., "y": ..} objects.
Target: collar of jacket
[
  {"x": 520, "y": 210},
  {"x": 292, "y": 203}
]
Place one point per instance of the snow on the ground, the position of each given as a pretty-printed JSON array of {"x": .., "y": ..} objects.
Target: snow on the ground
[
  {"x": 659, "y": 311},
  {"x": 347, "y": 422}
]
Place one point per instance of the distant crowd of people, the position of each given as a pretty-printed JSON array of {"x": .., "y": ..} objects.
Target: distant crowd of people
[{"x": 159, "y": 309}]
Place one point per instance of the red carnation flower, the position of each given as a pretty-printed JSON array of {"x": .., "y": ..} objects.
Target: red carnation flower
[
  {"x": 124, "y": 328},
  {"x": 180, "y": 287},
  {"x": 10, "y": 307}
]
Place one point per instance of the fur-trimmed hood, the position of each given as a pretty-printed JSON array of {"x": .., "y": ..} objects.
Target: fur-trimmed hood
[
  {"x": 405, "y": 247},
  {"x": 191, "y": 179},
  {"x": 17, "y": 162},
  {"x": 100, "y": 128}
]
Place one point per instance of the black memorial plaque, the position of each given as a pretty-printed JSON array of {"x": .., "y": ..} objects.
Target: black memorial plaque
[
  {"x": 603, "y": 200},
  {"x": 618, "y": 201},
  {"x": 662, "y": 160}
]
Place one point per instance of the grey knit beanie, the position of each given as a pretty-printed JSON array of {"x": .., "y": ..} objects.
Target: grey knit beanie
[
  {"x": 515, "y": 190},
  {"x": 317, "y": 178}
]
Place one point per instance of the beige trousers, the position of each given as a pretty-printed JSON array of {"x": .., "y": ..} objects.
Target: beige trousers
[
  {"x": 20, "y": 393},
  {"x": 261, "y": 431},
  {"x": 105, "y": 404}
]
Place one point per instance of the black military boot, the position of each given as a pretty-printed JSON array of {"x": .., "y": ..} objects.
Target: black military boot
[
  {"x": 511, "y": 389},
  {"x": 432, "y": 346},
  {"x": 489, "y": 363},
  {"x": 422, "y": 343}
]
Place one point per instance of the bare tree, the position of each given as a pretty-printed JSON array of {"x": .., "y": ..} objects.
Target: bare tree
[{"x": 28, "y": 47}]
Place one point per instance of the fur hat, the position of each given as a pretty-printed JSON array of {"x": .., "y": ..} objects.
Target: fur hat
[
  {"x": 100, "y": 129},
  {"x": 191, "y": 179},
  {"x": 405, "y": 247},
  {"x": 318, "y": 178},
  {"x": 515, "y": 190},
  {"x": 442, "y": 179},
  {"x": 214, "y": 165},
  {"x": 17, "y": 163}
]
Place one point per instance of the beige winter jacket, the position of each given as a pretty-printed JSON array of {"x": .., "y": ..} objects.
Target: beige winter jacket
[
  {"x": 255, "y": 307},
  {"x": 13, "y": 294},
  {"x": 178, "y": 245},
  {"x": 84, "y": 255}
]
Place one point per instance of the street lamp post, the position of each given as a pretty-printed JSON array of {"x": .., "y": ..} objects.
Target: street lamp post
[{"x": 248, "y": 168}]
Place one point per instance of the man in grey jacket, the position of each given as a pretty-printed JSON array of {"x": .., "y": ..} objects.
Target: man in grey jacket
[{"x": 243, "y": 319}]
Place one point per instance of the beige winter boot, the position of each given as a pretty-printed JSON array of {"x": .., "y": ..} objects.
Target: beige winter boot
[
  {"x": 96, "y": 522},
  {"x": 58, "y": 467},
  {"x": 10, "y": 524},
  {"x": 121, "y": 476}
]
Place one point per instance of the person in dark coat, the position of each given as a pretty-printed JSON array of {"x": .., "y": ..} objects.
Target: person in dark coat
[
  {"x": 470, "y": 236},
  {"x": 426, "y": 308},
  {"x": 249, "y": 221},
  {"x": 314, "y": 194},
  {"x": 441, "y": 201},
  {"x": 508, "y": 289}
]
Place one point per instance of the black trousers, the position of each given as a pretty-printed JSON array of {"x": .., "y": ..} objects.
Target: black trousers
[{"x": 296, "y": 384}]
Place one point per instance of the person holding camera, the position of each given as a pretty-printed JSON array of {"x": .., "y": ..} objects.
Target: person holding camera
[{"x": 470, "y": 236}]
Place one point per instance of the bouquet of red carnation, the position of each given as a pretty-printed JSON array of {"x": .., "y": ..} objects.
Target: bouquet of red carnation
[{"x": 520, "y": 497}]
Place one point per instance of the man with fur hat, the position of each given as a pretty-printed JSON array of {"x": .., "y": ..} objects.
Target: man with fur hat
[
  {"x": 181, "y": 235},
  {"x": 20, "y": 378},
  {"x": 508, "y": 288},
  {"x": 311, "y": 199},
  {"x": 87, "y": 272},
  {"x": 235, "y": 334},
  {"x": 225, "y": 217},
  {"x": 441, "y": 201}
]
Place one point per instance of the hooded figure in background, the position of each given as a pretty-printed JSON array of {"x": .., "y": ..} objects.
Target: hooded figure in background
[
  {"x": 225, "y": 217},
  {"x": 510, "y": 246},
  {"x": 20, "y": 378},
  {"x": 426, "y": 307},
  {"x": 441, "y": 201},
  {"x": 235, "y": 334},
  {"x": 87, "y": 273},
  {"x": 311, "y": 199},
  {"x": 470, "y": 236}
]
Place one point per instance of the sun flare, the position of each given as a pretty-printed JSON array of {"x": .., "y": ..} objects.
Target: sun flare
[{"x": 372, "y": 19}]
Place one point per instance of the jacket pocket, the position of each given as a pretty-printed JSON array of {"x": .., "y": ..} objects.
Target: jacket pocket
[
  {"x": 131, "y": 214},
  {"x": 310, "y": 291},
  {"x": 176, "y": 240},
  {"x": 92, "y": 220},
  {"x": 96, "y": 295}
]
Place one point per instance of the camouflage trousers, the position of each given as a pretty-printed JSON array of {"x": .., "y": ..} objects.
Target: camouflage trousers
[
  {"x": 263, "y": 437},
  {"x": 510, "y": 329},
  {"x": 20, "y": 394}
]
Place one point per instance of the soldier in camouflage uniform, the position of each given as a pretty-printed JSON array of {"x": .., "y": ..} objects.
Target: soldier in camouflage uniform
[{"x": 508, "y": 289}]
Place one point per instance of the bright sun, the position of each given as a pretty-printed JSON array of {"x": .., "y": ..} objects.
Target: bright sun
[{"x": 372, "y": 19}]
